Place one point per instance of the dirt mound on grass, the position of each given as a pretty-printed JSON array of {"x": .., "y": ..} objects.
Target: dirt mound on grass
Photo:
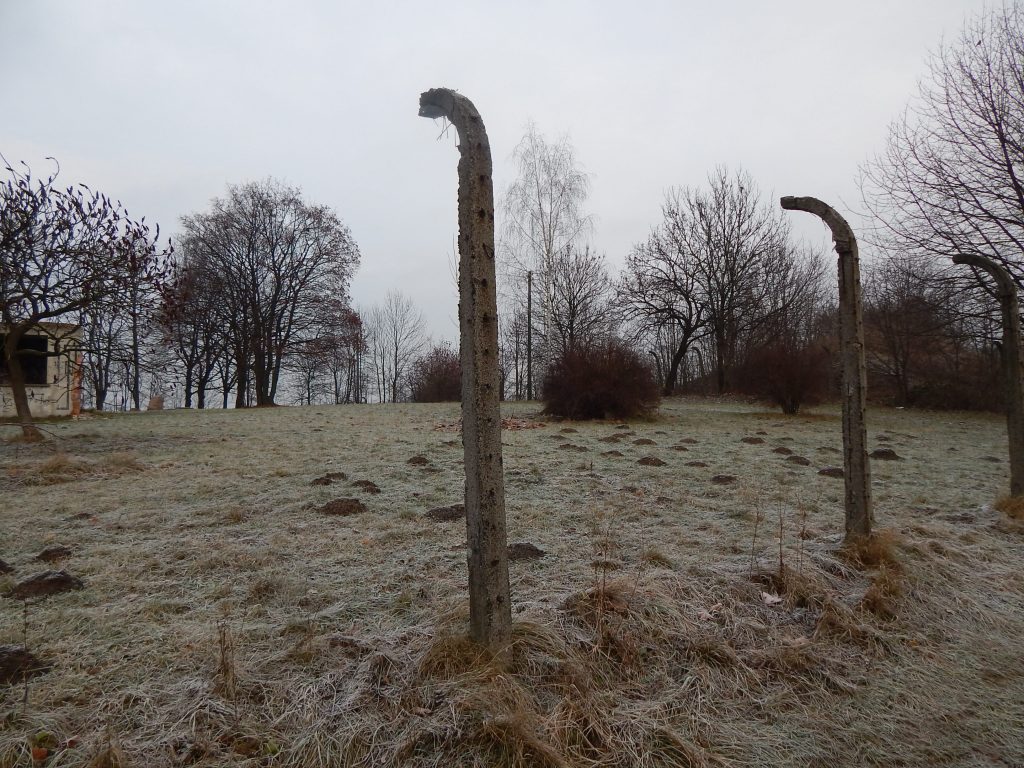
[
  {"x": 17, "y": 664},
  {"x": 45, "y": 584},
  {"x": 54, "y": 553},
  {"x": 651, "y": 461},
  {"x": 524, "y": 551},
  {"x": 343, "y": 507},
  {"x": 447, "y": 514},
  {"x": 329, "y": 478},
  {"x": 885, "y": 454}
]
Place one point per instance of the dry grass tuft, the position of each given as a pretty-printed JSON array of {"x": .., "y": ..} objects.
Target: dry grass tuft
[
  {"x": 802, "y": 588},
  {"x": 109, "y": 756},
  {"x": 874, "y": 551},
  {"x": 882, "y": 595},
  {"x": 512, "y": 741},
  {"x": 59, "y": 468},
  {"x": 64, "y": 468},
  {"x": 1011, "y": 506},
  {"x": 655, "y": 557},
  {"x": 226, "y": 676}
]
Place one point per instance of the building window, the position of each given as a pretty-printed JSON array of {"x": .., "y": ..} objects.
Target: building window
[{"x": 33, "y": 365}]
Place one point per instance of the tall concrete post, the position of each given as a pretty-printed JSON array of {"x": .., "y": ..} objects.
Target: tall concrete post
[
  {"x": 490, "y": 609},
  {"x": 1006, "y": 290},
  {"x": 856, "y": 470}
]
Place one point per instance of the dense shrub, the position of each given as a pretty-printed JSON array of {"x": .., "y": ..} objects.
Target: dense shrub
[
  {"x": 436, "y": 377},
  {"x": 789, "y": 375},
  {"x": 604, "y": 380}
]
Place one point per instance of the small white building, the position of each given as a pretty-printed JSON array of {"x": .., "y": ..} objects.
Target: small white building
[{"x": 53, "y": 382}]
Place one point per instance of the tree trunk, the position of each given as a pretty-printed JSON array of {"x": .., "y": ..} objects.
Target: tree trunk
[
  {"x": 1010, "y": 356},
  {"x": 188, "y": 387},
  {"x": 672, "y": 377},
  {"x": 857, "y": 472},
  {"x": 490, "y": 608},
  {"x": 529, "y": 335},
  {"x": 136, "y": 362},
  {"x": 29, "y": 431},
  {"x": 241, "y": 379},
  {"x": 720, "y": 360}
]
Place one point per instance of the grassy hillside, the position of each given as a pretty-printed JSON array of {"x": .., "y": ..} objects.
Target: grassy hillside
[{"x": 692, "y": 605}]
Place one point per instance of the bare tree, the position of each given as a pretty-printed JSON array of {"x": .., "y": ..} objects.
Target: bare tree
[
  {"x": 544, "y": 223},
  {"x": 715, "y": 268},
  {"x": 192, "y": 325},
  {"x": 951, "y": 179},
  {"x": 62, "y": 252},
  {"x": 906, "y": 317},
  {"x": 580, "y": 294},
  {"x": 104, "y": 350},
  {"x": 329, "y": 365},
  {"x": 275, "y": 258},
  {"x": 660, "y": 293},
  {"x": 396, "y": 338}
]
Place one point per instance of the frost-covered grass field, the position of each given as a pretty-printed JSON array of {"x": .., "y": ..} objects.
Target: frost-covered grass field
[{"x": 226, "y": 619}]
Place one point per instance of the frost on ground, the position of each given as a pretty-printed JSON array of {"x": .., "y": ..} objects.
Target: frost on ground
[{"x": 268, "y": 588}]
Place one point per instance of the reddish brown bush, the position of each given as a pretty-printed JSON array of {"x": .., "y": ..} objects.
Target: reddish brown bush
[
  {"x": 789, "y": 375},
  {"x": 604, "y": 380},
  {"x": 436, "y": 377}
]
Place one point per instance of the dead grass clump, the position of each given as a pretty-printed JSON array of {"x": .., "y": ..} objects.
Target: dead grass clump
[
  {"x": 580, "y": 729},
  {"x": 593, "y": 605},
  {"x": 799, "y": 589},
  {"x": 59, "y": 468},
  {"x": 1011, "y": 506},
  {"x": 655, "y": 557},
  {"x": 110, "y": 755},
  {"x": 226, "y": 675},
  {"x": 882, "y": 595},
  {"x": 512, "y": 741},
  {"x": 452, "y": 656},
  {"x": 838, "y": 622},
  {"x": 650, "y": 744},
  {"x": 874, "y": 551},
  {"x": 63, "y": 468}
]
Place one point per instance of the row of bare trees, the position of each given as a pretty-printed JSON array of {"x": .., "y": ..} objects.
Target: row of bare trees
[
  {"x": 719, "y": 295},
  {"x": 256, "y": 292},
  {"x": 68, "y": 256},
  {"x": 259, "y": 275}
]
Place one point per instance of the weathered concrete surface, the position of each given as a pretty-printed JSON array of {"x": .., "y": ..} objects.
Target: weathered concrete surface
[
  {"x": 490, "y": 608},
  {"x": 857, "y": 476},
  {"x": 1009, "y": 304}
]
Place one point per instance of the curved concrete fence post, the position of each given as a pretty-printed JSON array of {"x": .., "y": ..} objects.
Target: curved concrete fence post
[
  {"x": 1006, "y": 291},
  {"x": 857, "y": 471},
  {"x": 490, "y": 610}
]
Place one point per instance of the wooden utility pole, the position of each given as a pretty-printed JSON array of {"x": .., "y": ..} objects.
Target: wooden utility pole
[
  {"x": 856, "y": 470},
  {"x": 490, "y": 609},
  {"x": 1006, "y": 291}
]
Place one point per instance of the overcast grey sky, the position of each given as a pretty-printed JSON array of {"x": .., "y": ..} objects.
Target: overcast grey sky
[{"x": 163, "y": 104}]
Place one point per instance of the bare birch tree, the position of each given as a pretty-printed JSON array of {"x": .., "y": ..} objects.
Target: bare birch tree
[
  {"x": 396, "y": 338},
  {"x": 543, "y": 221}
]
